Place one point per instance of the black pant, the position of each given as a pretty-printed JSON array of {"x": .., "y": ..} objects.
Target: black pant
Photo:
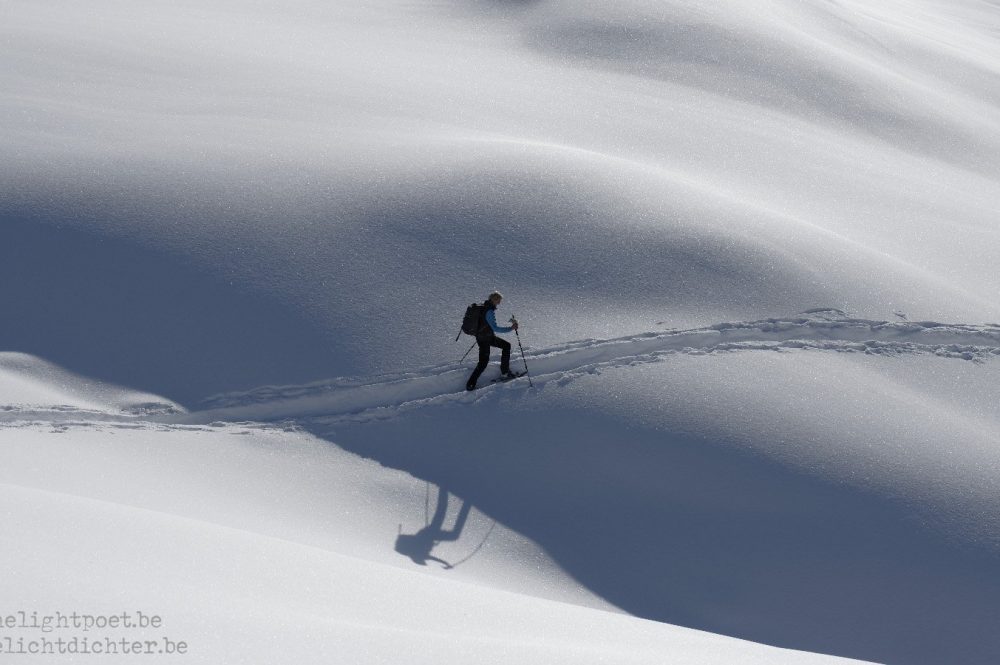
[{"x": 484, "y": 356}]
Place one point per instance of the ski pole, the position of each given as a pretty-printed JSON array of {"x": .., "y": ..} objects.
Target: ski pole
[
  {"x": 466, "y": 353},
  {"x": 530, "y": 384}
]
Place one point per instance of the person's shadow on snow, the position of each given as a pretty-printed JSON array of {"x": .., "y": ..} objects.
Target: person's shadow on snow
[{"x": 418, "y": 546}]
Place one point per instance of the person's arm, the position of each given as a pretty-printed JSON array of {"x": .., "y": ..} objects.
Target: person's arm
[{"x": 491, "y": 319}]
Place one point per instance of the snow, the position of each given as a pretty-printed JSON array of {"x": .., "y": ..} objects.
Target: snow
[
  {"x": 238, "y": 239},
  {"x": 317, "y": 605}
]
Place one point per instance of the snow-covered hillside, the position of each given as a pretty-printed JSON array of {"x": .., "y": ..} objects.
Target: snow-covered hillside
[{"x": 752, "y": 247}]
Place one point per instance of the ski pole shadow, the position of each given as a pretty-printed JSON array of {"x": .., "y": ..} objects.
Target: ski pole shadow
[{"x": 419, "y": 546}]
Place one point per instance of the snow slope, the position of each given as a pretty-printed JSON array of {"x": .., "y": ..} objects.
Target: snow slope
[
  {"x": 211, "y": 211},
  {"x": 318, "y": 605},
  {"x": 822, "y": 329},
  {"x": 253, "y": 541},
  {"x": 742, "y": 479},
  {"x": 263, "y": 183}
]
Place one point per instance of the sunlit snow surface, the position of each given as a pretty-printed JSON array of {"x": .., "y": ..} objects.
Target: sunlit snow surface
[{"x": 752, "y": 245}]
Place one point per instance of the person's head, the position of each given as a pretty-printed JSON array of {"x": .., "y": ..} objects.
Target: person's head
[{"x": 495, "y": 298}]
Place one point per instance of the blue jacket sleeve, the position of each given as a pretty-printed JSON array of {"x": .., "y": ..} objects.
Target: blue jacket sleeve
[{"x": 492, "y": 320}]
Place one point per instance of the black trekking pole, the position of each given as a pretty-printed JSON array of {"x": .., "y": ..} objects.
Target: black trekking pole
[
  {"x": 530, "y": 384},
  {"x": 466, "y": 353}
]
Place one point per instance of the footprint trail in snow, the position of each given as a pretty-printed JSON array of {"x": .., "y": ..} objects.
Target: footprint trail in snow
[{"x": 821, "y": 329}]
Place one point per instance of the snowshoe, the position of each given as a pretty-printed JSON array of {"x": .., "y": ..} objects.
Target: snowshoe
[{"x": 509, "y": 376}]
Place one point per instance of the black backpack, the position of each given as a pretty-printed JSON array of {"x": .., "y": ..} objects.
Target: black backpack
[{"x": 472, "y": 322}]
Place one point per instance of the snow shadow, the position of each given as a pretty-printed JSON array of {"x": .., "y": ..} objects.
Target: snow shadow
[
  {"x": 689, "y": 531},
  {"x": 420, "y": 545},
  {"x": 124, "y": 313}
]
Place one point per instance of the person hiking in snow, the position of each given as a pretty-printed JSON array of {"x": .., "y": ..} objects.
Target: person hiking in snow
[{"x": 486, "y": 337}]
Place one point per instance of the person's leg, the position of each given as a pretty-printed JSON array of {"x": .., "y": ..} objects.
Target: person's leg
[
  {"x": 456, "y": 531},
  {"x": 484, "y": 360},
  {"x": 504, "y": 347}
]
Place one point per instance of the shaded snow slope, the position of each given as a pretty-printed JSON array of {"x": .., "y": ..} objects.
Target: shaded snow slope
[
  {"x": 797, "y": 499},
  {"x": 293, "y": 191},
  {"x": 816, "y": 482}
]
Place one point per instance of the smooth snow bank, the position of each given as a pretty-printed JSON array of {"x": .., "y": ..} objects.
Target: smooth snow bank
[
  {"x": 238, "y": 584},
  {"x": 28, "y": 383}
]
